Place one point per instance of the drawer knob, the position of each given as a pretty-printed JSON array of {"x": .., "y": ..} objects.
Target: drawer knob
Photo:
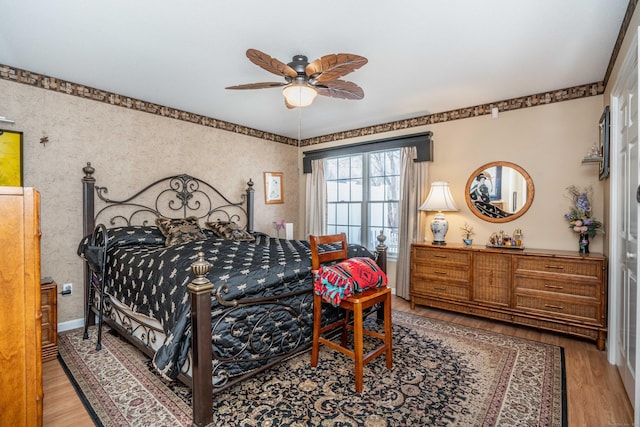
[
  {"x": 553, "y": 286},
  {"x": 558, "y": 307},
  {"x": 554, "y": 267}
]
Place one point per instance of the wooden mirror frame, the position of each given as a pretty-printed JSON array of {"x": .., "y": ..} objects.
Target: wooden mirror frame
[{"x": 515, "y": 215}]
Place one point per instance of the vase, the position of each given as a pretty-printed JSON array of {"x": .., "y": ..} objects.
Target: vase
[
  {"x": 467, "y": 242},
  {"x": 584, "y": 243}
]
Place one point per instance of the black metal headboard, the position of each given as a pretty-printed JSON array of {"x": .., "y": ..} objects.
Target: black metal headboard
[{"x": 177, "y": 196}]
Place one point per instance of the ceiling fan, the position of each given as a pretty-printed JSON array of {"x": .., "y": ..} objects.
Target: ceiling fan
[{"x": 304, "y": 80}]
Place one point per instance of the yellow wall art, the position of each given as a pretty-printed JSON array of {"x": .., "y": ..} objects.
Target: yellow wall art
[{"x": 10, "y": 158}]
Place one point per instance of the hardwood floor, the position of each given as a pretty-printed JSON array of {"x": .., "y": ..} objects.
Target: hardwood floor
[
  {"x": 595, "y": 394},
  {"x": 61, "y": 406}
]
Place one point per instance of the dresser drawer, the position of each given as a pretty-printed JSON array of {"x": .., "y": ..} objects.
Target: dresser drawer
[
  {"x": 566, "y": 308},
  {"x": 583, "y": 288},
  {"x": 440, "y": 256},
  {"x": 435, "y": 271},
  {"x": 570, "y": 266},
  {"x": 440, "y": 289}
]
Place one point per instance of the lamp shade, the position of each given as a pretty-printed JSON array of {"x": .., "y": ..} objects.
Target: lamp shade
[
  {"x": 299, "y": 94},
  {"x": 439, "y": 198}
]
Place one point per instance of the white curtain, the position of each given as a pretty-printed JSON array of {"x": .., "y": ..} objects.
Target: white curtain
[
  {"x": 316, "y": 212},
  {"x": 413, "y": 191}
]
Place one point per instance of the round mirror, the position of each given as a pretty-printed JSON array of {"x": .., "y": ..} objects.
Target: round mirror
[{"x": 499, "y": 192}]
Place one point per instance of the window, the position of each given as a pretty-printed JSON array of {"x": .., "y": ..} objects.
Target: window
[{"x": 363, "y": 192}]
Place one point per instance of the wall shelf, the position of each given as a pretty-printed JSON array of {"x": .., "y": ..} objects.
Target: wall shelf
[{"x": 592, "y": 159}]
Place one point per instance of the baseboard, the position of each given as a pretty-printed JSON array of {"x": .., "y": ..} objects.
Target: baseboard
[{"x": 70, "y": 324}]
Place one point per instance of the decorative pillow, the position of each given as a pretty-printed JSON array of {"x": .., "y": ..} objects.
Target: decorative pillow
[
  {"x": 229, "y": 230},
  {"x": 339, "y": 281},
  {"x": 180, "y": 230},
  {"x": 135, "y": 235}
]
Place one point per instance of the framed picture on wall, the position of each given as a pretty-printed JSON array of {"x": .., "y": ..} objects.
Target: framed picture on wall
[
  {"x": 10, "y": 158},
  {"x": 273, "y": 187},
  {"x": 603, "y": 131}
]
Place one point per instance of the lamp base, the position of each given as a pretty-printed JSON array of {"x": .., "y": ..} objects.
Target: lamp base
[{"x": 439, "y": 228}]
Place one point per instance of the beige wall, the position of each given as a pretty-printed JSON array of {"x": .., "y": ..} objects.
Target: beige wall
[
  {"x": 548, "y": 141},
  {"x": 125, "y": 145}
]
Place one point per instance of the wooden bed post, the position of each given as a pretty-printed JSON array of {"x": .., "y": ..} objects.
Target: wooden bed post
[
  {"x": 250, "y": 201},
  {"x": 381, "y": 260},
  {"x": 381, "y": 249},
  {"x": 88, "y": 222},
  {"x": 202, "y": 386}
]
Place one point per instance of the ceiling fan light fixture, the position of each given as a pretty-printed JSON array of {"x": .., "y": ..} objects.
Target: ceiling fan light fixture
[{"x": 299, "y": 94}]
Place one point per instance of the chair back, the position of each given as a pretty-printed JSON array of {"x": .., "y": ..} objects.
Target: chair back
[{"x": 319, "y": 258}]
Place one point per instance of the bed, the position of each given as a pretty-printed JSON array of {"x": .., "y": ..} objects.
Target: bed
[{"x": 210, "y": 309}]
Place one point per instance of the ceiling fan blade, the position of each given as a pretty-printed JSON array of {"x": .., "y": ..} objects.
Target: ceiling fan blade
[
  {"x": 270, "y": 64},
  {"x": 258, "y": 85},
  {"x": 334, "y": 66},
  {"x": 340, "y": 89}
]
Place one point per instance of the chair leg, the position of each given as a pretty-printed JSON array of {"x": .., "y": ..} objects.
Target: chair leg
[
  {"x": 358, "y": 346},
  {"x": 388, "y": 337},
  {"x": 317, "y": 324},
  {"x": 345, "y": 329}
]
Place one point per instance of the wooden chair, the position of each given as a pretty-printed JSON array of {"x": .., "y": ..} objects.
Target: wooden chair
[{"x": 354, "y": 304}]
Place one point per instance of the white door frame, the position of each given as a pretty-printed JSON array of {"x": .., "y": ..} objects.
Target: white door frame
[{"x": 615, "y": 204}]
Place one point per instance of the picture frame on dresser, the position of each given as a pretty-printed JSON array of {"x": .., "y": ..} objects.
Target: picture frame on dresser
[{"x": 10, "y": 158}]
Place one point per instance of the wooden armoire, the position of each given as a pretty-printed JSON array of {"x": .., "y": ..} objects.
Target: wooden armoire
[{"x": 20, "y": 312}]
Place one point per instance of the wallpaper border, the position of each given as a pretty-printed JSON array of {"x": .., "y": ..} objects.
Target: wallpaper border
[{"x": 42, "y": 81}]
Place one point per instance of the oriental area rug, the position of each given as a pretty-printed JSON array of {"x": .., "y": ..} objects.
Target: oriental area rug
[{"x": 443, "y": 375}]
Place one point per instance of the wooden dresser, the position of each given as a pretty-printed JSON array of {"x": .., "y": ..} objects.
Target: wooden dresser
[
  {"x": 560, "y": 291},
  {"x": 20, "y": 310},
  {"x": 49, "y": 304}
]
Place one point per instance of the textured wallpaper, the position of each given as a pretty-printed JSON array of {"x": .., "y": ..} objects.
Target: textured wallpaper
[{"x": 127, "y": 148}]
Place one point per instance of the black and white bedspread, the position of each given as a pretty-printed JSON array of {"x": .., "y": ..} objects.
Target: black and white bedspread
[{"x": 152, "y": 280}]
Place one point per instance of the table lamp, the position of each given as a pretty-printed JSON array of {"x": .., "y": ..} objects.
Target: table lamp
[{"x": 440, "y": 200}]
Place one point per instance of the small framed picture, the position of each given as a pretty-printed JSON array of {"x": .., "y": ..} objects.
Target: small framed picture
[
  {"x": 273, "y": 187},
  {"x": 603, "y": 131},
  {"x": 10, "y": 158}
]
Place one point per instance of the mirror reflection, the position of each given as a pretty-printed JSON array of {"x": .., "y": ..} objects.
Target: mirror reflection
[{"x": 499, "y": 192}]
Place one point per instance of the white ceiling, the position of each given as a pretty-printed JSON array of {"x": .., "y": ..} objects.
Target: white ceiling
[{"x": 425, "y": 56}]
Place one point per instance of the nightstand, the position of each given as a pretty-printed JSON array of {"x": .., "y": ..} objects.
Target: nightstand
[{"x": 49, "y": 304}]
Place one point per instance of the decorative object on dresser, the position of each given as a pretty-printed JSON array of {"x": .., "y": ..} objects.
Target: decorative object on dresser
[
  {"x": 440, "y": 200},
  {"x": 49, "y": 304},
  {"x": 467, "y": 232},
  {"x": 20, "y": 311},
  {"x": 499, "y": 192},
  {"x": 579, "y": 216},
  {"x": 559, "y": 291}
]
